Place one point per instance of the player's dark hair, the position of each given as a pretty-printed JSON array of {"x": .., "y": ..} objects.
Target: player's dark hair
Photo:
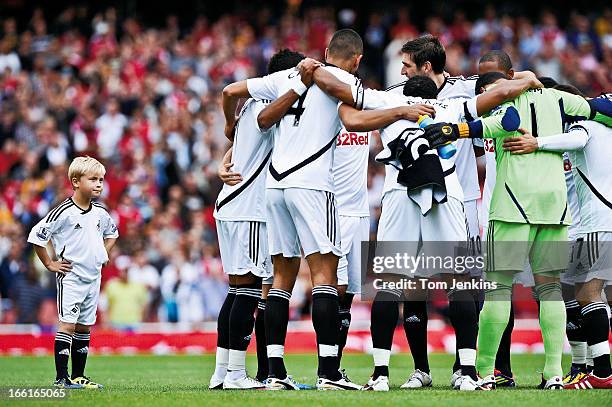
[
  {"x": 499, "y": 57},
  {"x": 487, "y": 79},
  {"x": 426, "y": 48},
  {"x": 548, "y": 82},
  {"x": 345, "y": 44},
  {"x": 284, "y": 59},
  {"x": 421, "y": 86},
  {"x": 570, "y": 89}
]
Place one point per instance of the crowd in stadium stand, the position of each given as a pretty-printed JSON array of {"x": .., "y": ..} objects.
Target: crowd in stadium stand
[{"x": 146, "y": 102}]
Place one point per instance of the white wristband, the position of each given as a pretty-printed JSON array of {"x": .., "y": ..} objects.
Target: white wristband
[{"x": 298, "y": 86}]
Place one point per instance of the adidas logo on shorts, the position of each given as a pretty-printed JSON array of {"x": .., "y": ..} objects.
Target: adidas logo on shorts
[
  {"x": 77, "y": 226},
  {"x": 413, "y": 319},
  {"x": 65, "y": 352},
  {"x": 83, "y": 350}
]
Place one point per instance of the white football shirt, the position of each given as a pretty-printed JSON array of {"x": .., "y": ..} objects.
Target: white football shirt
[
  {"x": 451, "y": 110},
  {"x": 351, "y": 173},
  {"x": 305, "y": 139},
  {"x": 251, "y": 154},
  {"x": 77, "y": 236},
  {"x": 592, "y": 170},
  {"x": 465, "y": 158}
]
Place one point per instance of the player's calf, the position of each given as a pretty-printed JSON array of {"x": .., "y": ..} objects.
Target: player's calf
[
  {"x": 61, "y": 352},
  {"x": 241, "y": 327}
]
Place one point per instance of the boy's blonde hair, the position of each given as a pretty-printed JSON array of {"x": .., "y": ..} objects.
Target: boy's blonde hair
[{"x": 85, "y": 165}]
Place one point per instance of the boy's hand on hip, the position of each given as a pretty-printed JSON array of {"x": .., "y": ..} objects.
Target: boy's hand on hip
[{"x": 62, "y": 267}]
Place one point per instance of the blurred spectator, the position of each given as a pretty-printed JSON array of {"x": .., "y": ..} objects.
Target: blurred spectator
[
  {"x": 146, "y": 100},
  {"x": 125, "y": 300},
  {"x": 110, "y": 128},
  {"x": 28, "y": 295}
]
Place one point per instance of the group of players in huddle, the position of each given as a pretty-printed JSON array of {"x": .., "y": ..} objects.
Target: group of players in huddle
[{"x": 296, "y": 185}]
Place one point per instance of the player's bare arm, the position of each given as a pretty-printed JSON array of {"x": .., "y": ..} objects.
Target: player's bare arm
[
  {"x": 506, "y": 90},
  {"x": 277, "y": 109},
  {"x": 109, "y": 243},
  {"x": 55, "y": 266},
  {"x": 224, "y": 171},
  {"x": 231, "y": 95},
  {"x": 327, "y": 82},
  {"x": 368, "y": 120}
]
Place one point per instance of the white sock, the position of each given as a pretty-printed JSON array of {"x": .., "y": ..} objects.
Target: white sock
[
  {"x": 467, "y": 357},
  {"x": 381, "y": 356},
  {"x": 328, "y": 351},
  {"x": 579, "y": 352},
  {"x": 236, "y": 368},
  {"x": 589, "y": 357},
  {"x": 221, "y": 361}
]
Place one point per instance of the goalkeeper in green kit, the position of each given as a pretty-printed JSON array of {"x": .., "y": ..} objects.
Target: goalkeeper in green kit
[{"x": 528, "y": 214}]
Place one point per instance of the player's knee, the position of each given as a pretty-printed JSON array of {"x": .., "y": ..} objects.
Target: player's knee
[
  {"x": 501, "y": 292},
  {"x": 550, "y": 291},
  {"x": 66, "y": 327},
  {"x": 589, "y": 292},
  {"x": 247, "y": 279},
  {"x": 82, "y": 329}
]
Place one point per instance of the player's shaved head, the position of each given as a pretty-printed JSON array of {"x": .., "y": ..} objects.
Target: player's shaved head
[
  {"x": 284, "y": 59},
  {"x": 421, "y": 86},
  {"x": 345, "y": 44},
  {"x": 486, "y": 79},
  {"x": 495, "y": 60}
]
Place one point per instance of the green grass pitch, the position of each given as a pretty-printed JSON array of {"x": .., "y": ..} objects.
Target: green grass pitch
[{"x": 183, "y": 381}]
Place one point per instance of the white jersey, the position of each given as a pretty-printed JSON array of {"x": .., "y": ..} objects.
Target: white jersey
[
  {"x": 450, "y": 110},
  {"x": 465, "y": 159},
  {"x": 572, "y": 198},
  {"x": 246, "y": 201},
  {"x": 77, "y": 236},
  {"x": 592, "y": 169},
  {"x": 351, "y": 173},
  {"x": 305, "y": 139}
]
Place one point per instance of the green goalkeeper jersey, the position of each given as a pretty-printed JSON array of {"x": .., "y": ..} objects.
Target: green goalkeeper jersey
[{"x": 530, "y": 188}]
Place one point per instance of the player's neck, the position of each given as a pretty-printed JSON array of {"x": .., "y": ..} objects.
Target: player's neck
[
  {"x": 80, "y": 200},
  {"x": 342, "y": 64},
  {"x": 439, "y": 79}
]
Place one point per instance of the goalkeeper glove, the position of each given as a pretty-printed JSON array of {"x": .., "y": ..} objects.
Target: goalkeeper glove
[{"x": 439, "y": 134}]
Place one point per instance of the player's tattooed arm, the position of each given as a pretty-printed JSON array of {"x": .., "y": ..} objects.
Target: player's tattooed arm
[
  {"x": 224, "y": 171},
  {"x": 368, "y": 120},
  {"x": 55, "y": 266}
]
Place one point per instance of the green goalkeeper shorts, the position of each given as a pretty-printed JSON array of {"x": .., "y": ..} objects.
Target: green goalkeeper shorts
[{"x": 510, "y": 245}]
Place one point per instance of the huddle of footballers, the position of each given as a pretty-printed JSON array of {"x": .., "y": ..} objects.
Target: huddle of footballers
[
  {"x": 315, "y": 118},
  {"x": 295, "y": 185}
]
